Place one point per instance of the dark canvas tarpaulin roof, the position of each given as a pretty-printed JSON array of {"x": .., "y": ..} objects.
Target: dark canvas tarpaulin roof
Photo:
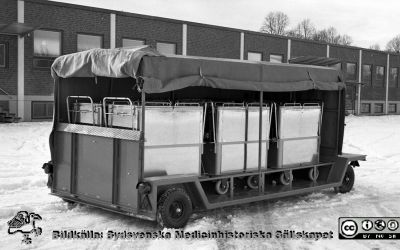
[{"x": 168, "y": 73}]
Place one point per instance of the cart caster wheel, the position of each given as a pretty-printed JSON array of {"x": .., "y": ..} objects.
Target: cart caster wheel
[
  {"x": 348, "y": 181},
  {"x": 285, "y": 179},
  {"x": 222, "y": 187},
  {"x": 174, "y": 208},
  {"x": 252, "y": 182},
  {"x": 311, "y": 174}
]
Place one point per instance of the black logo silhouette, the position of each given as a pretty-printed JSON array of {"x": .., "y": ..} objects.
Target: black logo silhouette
[{"x": 25, "y": 223}]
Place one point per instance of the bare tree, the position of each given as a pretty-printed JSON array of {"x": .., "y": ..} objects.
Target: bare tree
[
  {"x": 375, "y": 46},
  {"x": 345, "y": 40},
  {"x": 394, "y": 44},
  {"x": 305, "y": 29},
  {"x": 330, "y": 35},
  {"x": 326, "y": 35},
  {"x": 275, "y": 23}
]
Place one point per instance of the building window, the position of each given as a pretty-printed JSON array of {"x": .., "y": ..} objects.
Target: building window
[
  {"x": 366, "y": 74},
  {"x": 167, "y": 48},
  {"x": 365, "y": 108},
  {"x": 276, "y": 58},
  {"x": 351, "y": 71},
  {"x": 379, "y": 76},
  {"x": 393, "y": 78},
  {"x": 131, "y": 42},
  {"x": 392, "y": 108},
  {"x": 254, "y": 56},
  {"x": 85, "y": 42},
  {"x": 46, "y": 43},
  {"x": 3, "y": 55},
  {"x": 42, "y": 110},
  {"x": 378, "y": 108}
]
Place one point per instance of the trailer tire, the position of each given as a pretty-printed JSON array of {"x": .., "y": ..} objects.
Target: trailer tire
[
  {"x": 284, "y": 180},
  {"x": 221, "y": 187},
  {"x": 347, "y": 182},
  {"x": 174, "y": 208},
  {"x": 252, "y": 181}
]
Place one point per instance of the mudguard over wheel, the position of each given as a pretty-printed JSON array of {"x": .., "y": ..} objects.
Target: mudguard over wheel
[
  {"x": 174, "y": 208},
  {"x": 348, "y": 181}
]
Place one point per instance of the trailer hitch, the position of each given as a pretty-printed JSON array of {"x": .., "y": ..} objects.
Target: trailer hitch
[
  {"x": 144, "y": 189},
  {"x": 48, "y": 167}
]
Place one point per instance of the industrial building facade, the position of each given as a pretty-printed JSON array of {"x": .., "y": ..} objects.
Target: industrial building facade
[{"x": 34, "y": 32}]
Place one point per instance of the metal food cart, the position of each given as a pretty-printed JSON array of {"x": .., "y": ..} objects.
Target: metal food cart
[{"x": 157, "y": 137}]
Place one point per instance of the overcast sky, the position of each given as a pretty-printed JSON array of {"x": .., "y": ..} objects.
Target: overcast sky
[{"x": 366, "y": 21}]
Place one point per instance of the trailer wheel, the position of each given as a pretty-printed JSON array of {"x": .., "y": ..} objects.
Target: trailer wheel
[
  {"x": 348, "y": 181},
  {"x": 311, "y": 174},
  {"x": 222, "y": 186},
  {"x": 285, "y": 178},
  {"x": 252, "y": 182},
  {"x": 174, "y": 208}
]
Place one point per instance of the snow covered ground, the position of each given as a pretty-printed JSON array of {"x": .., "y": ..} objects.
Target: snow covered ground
[{"x": 24, "y": 148}]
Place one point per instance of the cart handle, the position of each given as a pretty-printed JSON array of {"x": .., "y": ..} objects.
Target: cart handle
[
  {"x": 158, "y": 103},
  {"x": 256, "y": 104},
  {"x": 232, "y": 104},
  {"x": 187, "y": 104},
  {"x": 276, "y": 120},
  {"x": 79, "y": 97},
  {"x": 204, "y": 125},
  {"x": 320, "y": 120},
  {"x": 121, "y": 100},
  {"x": 311, "y": 104},
  {"x": 213, "y": 124},
  {"x": 292, "y": 104}
]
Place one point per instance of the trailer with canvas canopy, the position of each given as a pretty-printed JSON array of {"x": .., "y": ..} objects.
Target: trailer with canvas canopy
[{"x": 158, "y": 137}]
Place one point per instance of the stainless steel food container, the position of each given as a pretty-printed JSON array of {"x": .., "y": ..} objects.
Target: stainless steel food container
[
  {"x": 230, "y": 127},
  {"x": 237, "y": 138},
  {"x": 125, "y": 116},
  {"x": 84, "y": 113},
  {"x": 298, "y": 136},
  {"x": 173, "y": 140}
]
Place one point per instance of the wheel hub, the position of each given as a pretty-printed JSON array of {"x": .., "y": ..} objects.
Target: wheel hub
[{"x": 176, "y": 210}]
